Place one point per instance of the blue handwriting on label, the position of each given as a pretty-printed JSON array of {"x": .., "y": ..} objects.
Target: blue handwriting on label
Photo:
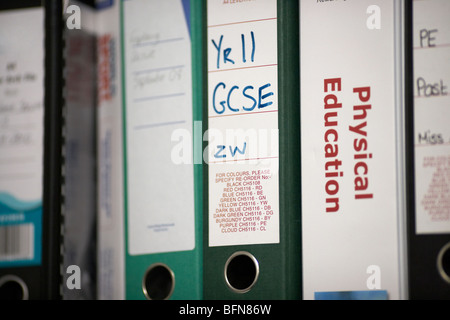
[{"x": 225, "y": 53}]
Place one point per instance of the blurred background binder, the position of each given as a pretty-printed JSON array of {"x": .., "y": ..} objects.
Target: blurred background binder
[
  {"x": 30, "y": 149},
  {"x": 252, "y": 184},
  {"x": 110, "y": 209},
  {"x": 429, "y": 225},
  {"x": 80, "y": 154},
  {"x": 354, "y": 88},
  {"x": 162, "y": 85}
]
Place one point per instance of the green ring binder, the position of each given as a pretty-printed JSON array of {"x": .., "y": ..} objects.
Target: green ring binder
[
  {"x": 167, "y": 229},
  {"x": 252, "y": 201}
]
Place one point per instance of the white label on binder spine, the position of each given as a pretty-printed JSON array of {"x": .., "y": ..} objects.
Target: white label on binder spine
[
  {"x": 432, "y": 115},
  {"x": 349, "y": 111},
  {"x": 110, "y": 217},
  {"x": 21, "y": 135},
  {"x": 242, "y": 122},
  {"x": 160, "y": 193}
]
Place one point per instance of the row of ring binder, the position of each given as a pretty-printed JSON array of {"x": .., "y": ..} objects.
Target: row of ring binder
[{"x": 224, "y": 150}]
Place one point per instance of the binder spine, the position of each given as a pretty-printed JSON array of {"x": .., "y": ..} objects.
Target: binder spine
[
  {"x": 260, "y": 40},
  {"x": 428, "y": 219},
  {"x": 52, "y": 195},
  {"x": 289, "y": 119},
  {"x": 353, "y": 218},
  {"x": 408, "y": 139},
  {"x": 402, "y": 91},
  {"x": 63, "y": 160},
  {"x": 162, "y": 232},
  {"x": 22, "y": 264}
]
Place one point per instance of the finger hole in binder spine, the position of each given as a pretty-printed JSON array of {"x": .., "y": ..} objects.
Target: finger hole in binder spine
[
  {"x": 443, "y": 263},
  {"x": 13, "y": 288},
  {"x": 158, "y": 282},
  {"x": 241, "y": 271}
]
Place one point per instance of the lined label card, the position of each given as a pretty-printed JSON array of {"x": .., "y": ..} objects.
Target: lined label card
[
  {"x": 243, "y": 122},
  {"x": 158, "y": 107},
  {"x": 21, "y": 130},
  {"x": 432, "y": 115}
]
